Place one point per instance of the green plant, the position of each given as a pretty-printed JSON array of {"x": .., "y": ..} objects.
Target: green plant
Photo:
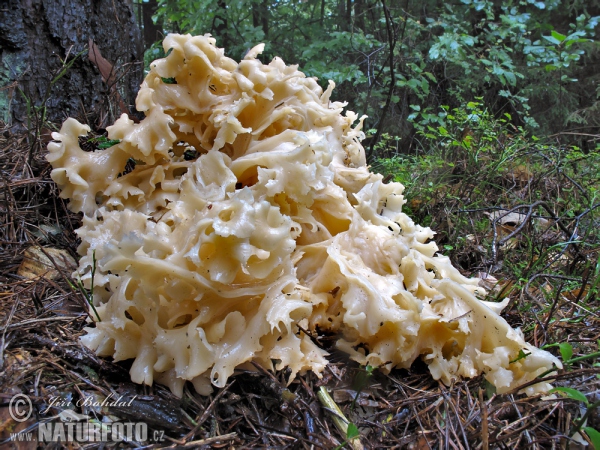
[
  {"x": 566, "y": 351},
  {"x": 347, "y": 428},
  {"x": 87, "y": 295},
  {"x": 577, "y": 395},
  {"x": 361, "y": 381},
  {"x": 466, "y": 152}
]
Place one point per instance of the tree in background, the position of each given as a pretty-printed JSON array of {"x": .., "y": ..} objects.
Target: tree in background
[
  {"x": 400, "y": 61},
  {"x": 61, "y": 58}
]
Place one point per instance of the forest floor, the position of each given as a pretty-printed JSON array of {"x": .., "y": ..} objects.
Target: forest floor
[{"x": 42, "y": 316}]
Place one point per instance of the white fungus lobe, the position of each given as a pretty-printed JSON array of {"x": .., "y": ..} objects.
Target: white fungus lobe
[{"x": 250, "y": 214}]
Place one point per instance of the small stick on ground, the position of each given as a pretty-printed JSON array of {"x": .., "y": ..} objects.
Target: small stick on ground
[{"x": 485, "y": 445}]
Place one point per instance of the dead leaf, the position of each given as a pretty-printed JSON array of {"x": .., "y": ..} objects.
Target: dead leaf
[
  {"x": 36, "y": 264},
  {"x": 350, "y": 396},
  {"x": 107, "y": 72},
  {"x": 575, "y": 294},
  {"x": 103, "y": 65},
  {"x": 522, "y": 175},
  {"x": 514, "y": 218},
  {"x": 415, "y": 203},
  {"x": 486, "y": 280},
  {"x": 421, "y": 443},
  {"x": 499, "y": 288}
]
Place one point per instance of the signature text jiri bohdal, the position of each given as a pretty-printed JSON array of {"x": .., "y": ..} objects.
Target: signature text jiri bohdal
[{"x": 110, "y": 401}]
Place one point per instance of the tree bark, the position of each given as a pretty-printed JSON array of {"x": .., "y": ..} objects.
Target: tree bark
[
  {"x": 359, "y": 15},
  {"x": 342, "y": 23},
  {"x": 219, "y": 26},
  {"x": 39, "y": 39},
  {"x": 260, "y": 16},
  {"x": 152, "y": 31},
  {"x": 348, "y": 13}
]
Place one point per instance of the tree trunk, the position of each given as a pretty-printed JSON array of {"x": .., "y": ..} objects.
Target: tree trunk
[
  {"x": 152, "y": 31},
  {"x": 359, "y": 15},
  {"x": 40, "y": 39},
  {"x": 348, "y": 12},
  {"x": 260, "y": 16},
  {"x": 342, "y": 23},
  {"x": 219, "y": 26}
]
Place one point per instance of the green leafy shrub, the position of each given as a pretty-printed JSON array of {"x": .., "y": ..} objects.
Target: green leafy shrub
[{"x": 473, "y": 167}]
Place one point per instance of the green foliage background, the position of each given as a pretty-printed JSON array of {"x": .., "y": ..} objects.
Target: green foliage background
[{"x": 400, "y": 62}]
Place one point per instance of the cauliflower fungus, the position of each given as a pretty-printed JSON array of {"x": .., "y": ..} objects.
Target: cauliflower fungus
[{"x": 250, "y": 214}]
